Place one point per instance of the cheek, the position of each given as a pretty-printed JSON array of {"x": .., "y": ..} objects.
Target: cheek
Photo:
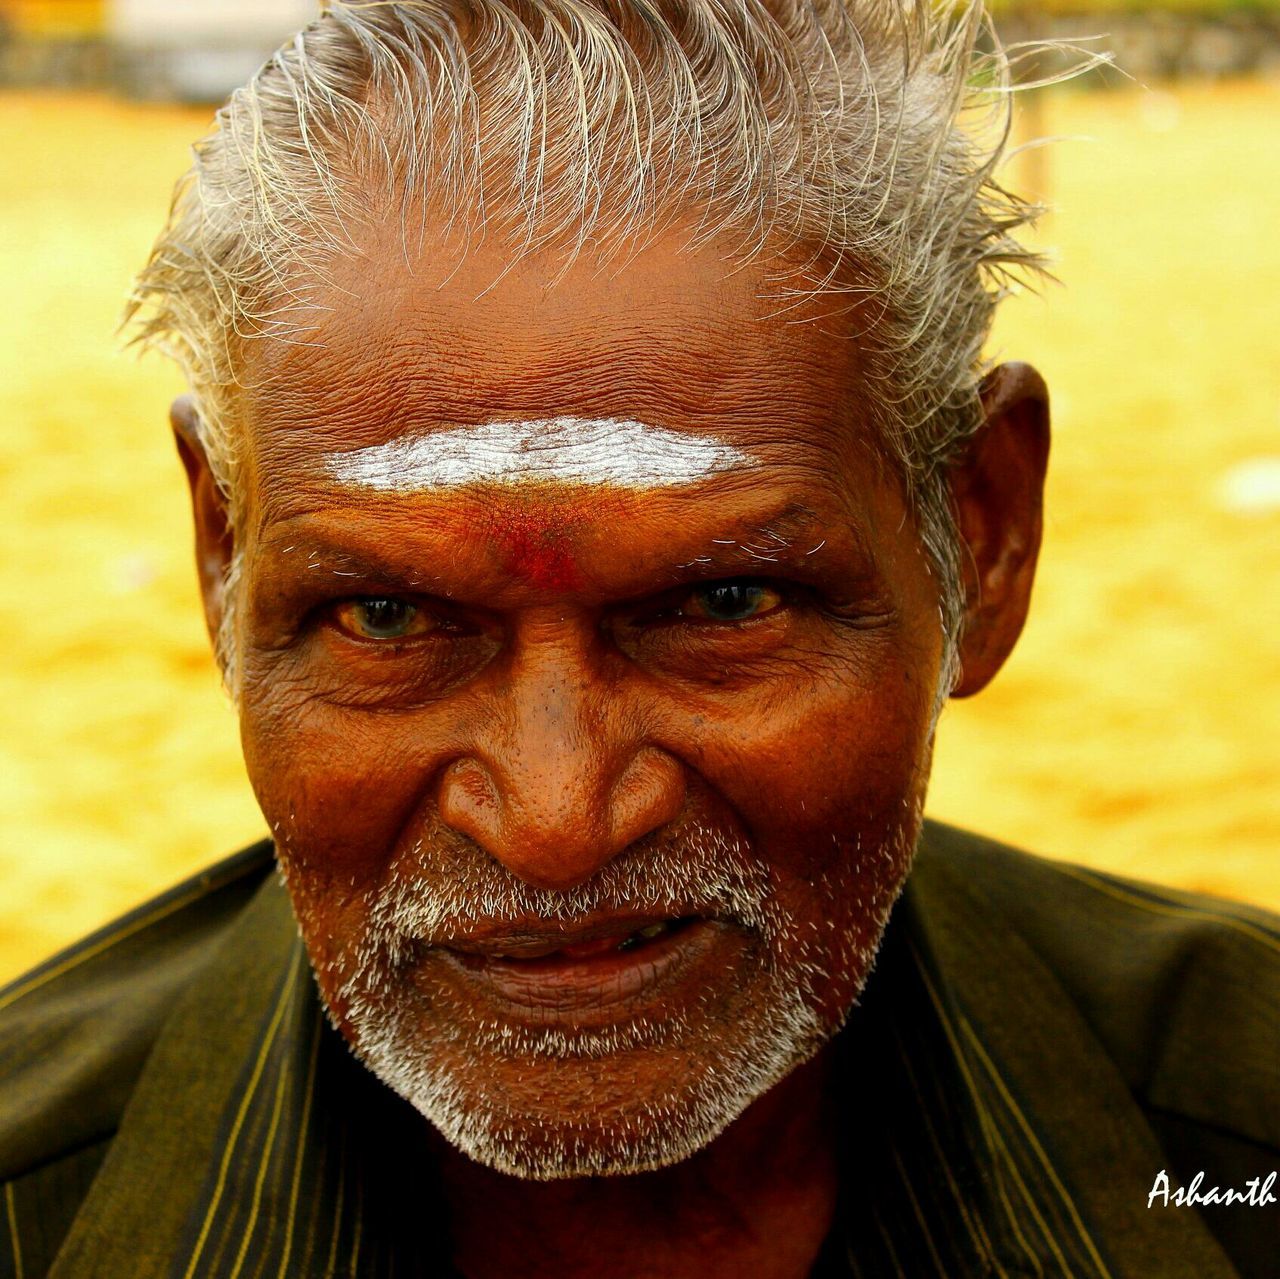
[
  {"x": 838, "y": 820},
  {"x": 337, "y": 788},
  {"x": 339, "y": 792},
  {"x": 837, "y": 756},
  {"x": 828, "y": 781}
]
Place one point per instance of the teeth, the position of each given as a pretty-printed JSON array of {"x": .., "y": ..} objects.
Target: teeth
[
  {"x": 637, "y": 938},
  {"x": 643, "y": 934}
]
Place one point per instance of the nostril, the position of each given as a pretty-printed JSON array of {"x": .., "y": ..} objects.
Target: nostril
[
  {"x": 468, "y": 800},
  {"x": 647, "y": 796}
]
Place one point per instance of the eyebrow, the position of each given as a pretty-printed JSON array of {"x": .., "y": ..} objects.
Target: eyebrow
[
  {"x": 332, "y": 558},
  {"x": 623, "y": 453},
  {"x": 793, "y": 532},
  {"x": 790, "y": 536},
  {"x": 793, "y": 540}
]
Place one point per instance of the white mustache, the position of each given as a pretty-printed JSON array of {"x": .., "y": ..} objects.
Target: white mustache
[{"x": 702, "y": 873}]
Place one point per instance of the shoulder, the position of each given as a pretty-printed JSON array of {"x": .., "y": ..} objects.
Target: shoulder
[
  {"x": 1179, "y": 988},
  {"x": 75, "y": 1032}
]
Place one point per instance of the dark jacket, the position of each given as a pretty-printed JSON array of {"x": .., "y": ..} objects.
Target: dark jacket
[{"x": 1042, "y": 1042}]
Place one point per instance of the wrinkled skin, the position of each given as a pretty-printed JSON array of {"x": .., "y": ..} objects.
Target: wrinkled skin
[{"x": 568, "y": 705}]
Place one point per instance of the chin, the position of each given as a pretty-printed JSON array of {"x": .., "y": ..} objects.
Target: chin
[
  {"x": 635, "y": 1099},
  {"x": 634, "y": 1095}
]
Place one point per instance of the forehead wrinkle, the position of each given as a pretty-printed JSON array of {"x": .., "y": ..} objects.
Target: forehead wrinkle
[
  {"x": 437, "y": 362},
  {"x": 318, "y": 395},
  {"x": 698, "y": 366},
  {"x": 624, "y": 371},
  {"x": 395, "y": 362}
]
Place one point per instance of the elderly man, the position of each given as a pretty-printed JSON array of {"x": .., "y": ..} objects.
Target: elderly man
[{"x": 597, "y": 493}]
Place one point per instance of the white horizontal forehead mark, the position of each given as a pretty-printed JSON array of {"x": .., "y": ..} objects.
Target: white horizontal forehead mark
[{"x": 571, "y": 450}]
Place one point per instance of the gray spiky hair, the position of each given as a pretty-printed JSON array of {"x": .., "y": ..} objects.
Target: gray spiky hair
[{"x": 857, "y": 136}]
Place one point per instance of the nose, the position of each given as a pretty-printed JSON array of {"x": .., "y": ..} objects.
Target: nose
[{"x": 560, "y": 781}]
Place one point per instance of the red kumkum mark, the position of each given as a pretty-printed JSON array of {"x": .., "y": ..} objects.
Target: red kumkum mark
[{"x": 537, "y": 547}]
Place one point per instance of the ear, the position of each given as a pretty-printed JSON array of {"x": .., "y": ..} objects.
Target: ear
[
  {"x": 214, "y": 542},
  {"x": 998, "y": 490}
]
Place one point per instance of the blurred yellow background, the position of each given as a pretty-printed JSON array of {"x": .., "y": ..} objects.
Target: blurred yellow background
[{"x": 1135, "y": 729}]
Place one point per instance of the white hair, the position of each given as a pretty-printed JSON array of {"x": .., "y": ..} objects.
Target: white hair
[{"x": 856, "y": 137}]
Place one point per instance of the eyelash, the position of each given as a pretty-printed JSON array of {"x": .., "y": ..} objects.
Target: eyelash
[
  {"x": 439, "y": 621},
  {"x": 667, "y": 609}
]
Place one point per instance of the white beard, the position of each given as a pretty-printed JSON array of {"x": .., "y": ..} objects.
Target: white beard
[{"x": 699, "y": 874}]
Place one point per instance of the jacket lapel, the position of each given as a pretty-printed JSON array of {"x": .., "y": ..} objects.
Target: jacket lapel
[
  {"x": 1066, "y": 1155},
  {"x": 254, "y": 1143}
]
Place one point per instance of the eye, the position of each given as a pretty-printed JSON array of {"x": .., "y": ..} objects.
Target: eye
[
  {"x": 382, "y": 617},
  {"x": 735, "y": 600}
]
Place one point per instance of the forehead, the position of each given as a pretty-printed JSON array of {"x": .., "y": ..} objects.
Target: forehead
[{"x": 390, "y": 349}]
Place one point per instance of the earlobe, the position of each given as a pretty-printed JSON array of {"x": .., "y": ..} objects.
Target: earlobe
[
  {"x": 214, "y": 540},
  {"x": 997, "y": 489}
]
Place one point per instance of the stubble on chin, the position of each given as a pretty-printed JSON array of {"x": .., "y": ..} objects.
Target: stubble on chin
[{"x": 547, "y": 1102}]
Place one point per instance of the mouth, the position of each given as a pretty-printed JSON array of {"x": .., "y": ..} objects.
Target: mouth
[
  {"x": 579, "y": 945},
  {"x": 596, "y": 972}
]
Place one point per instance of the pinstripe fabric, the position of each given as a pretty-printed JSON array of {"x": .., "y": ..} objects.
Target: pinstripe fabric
[
  {"x": 948, "y": 1176},
  {"x": 305, "y": 1182},
  {"x": 993, "y": 1122},
  {"x": 15, "y": 1235}
]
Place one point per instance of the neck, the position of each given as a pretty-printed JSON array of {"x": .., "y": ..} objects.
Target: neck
[{"x": 758, "y": 1200}]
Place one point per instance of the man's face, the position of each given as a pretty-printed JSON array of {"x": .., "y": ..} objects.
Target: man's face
[{"x": 588, "y": 664}]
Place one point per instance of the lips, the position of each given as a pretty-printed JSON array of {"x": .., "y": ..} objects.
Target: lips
[
  {"x": 588, "y": 973},
  {"x": 581, "y": 942}
]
